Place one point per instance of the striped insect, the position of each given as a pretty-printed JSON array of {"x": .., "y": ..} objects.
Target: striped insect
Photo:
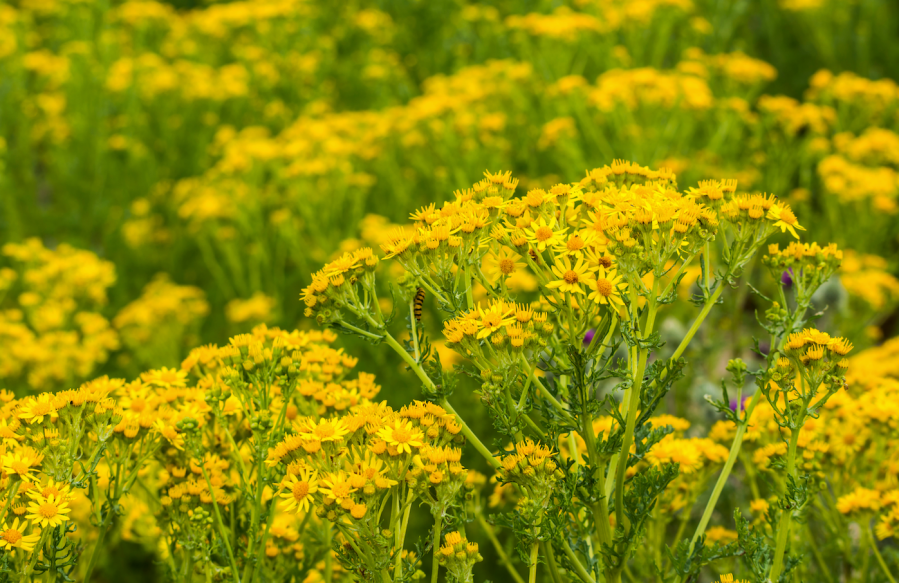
[{"x": 417, "y": 303}]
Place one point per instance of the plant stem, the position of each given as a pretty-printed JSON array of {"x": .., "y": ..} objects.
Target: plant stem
[
  {"x": 532, "y": 568},
  {"x": 503, "y": 557},
  {"x": 579, "y": 569},
  {"x": 725, "y": 472},
  {"x": 104, "y": 528},
  {"x": 221, "y": 526},
  {"x": 329, "y": 567},
  {"x": 883, "y": 565},
  {"x": 551, "y": 565},
  {"x": 435, "y": 566},
  {"x": 470, "y": 436},
  {"x": 783, "y": 528}
]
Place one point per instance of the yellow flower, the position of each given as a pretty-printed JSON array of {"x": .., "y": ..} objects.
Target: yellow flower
[
  {"x": 21, "y": 463},
  {"x": 785, "y": 219},
  {"x": 170, "y": 432},
  {"x": 402, "y": 436},
  {"x": 325, "y": 430},
  {"x": 60, "y": 490},
  {"x": 607, "y": 289},
  {"x": 571, "y": 278},
  {"x": 165, "y": 377},
  {"x": 499, "y": 314},
  {"x": 36, "y": 408},
  {"x": 542, "y": 234},
  {"x": 300, "y": 488},
  {"x": 337, "y": 487},
  {"x": 504, "y": 263},
  {"x": 48, "y": 512},
  {"x": 13, "y": 537}
]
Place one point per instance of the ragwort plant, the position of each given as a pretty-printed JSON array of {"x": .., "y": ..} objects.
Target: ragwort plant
[{"x": 576, "y": 367}]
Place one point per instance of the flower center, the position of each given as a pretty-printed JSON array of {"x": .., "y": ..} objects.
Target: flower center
[
  {"x": 324, "y": 430},
  {"x": 605, "y": 262},
  {"x": 50, "y": 491},
  {"x": 138, "y": 405},
  {"x": 48, "y": 510},
  {"x": 570, "y": 277},
  {"x": 507, "y": 266},
  {"x": 41, "y": 408},
  {"x": 543, "y": 233},
  {"x": 12, "y": 536},
  {"x": 575, "y": 244},
  {"x": 788, "y": 217},
  {"x": 491, "y": 320},
  {"x": 300, "y": 490},
  {"x": 19, "y": 467},
  {"x": 604, "y": 286},
  {"x": 169, "y": 377},
  {"x": 341, "y": 490},
  {"x": 401, "y": 435}
]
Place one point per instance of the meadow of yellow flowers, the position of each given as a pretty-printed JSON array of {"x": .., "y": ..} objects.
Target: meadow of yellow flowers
[{"x": 595, "y": 291}]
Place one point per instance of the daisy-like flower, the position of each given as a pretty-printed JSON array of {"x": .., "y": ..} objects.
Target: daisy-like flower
[
  {"x": 59, "y": 490},
  {"x": 401, "y": 435},
  {"x": 36, "y": 408},
  {"x": 542, "y": 235},
  {"x": 495, "y": 317},
  {"x": 48, "y": 512},
  {"x": 576, "y": 245},
  {"x": 607, "y": 289},
  {"x": 325, "y": 430},
  {"x": 170, "y": 432},
  {"x": 299, "y": 490},
  {"x": 165, "y": 377},
  {"x": 502, "y": 264},
  {"x": 785, "y": 219},
  {"x": 21, "y": 463},
  {"x": 571, "y": 277},
  {"x": 337, "y": 487},
  {"x": 12, "y": 536}
]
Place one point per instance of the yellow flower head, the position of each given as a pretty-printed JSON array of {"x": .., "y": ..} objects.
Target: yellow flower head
[
  {"x": 12, "y": 536},
  {"x": 606, "y": 289},
  {"x": 785, "y": 219},
  {"x": 36, "y": 408},
  {"x": 542, "y": 234},
  {"x": 48, "y": 512},
  {"x": 299, "y": 489},
  {"x": 571, "y": 277},
  {"x": 402, "y": 435}
]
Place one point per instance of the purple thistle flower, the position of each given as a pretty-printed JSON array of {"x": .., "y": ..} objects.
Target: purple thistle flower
[{"x": 588, "y": 337}]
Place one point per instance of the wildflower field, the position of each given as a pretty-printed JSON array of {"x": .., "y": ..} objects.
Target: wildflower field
[{"x": 568, "y": 291}]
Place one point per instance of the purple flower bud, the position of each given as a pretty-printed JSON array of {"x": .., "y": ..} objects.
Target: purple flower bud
[
  {"x": 733, "y": 405},
  {"x": 588, "y": 337},
  {"x": 787, "y": 278}
]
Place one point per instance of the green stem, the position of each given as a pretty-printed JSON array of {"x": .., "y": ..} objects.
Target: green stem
[
  {"x": 532, "y": 568},
  {"x": 725, "y": 472},
  {"x": 551, "y": 565},
  {"x": 104, "y": 528},
  {"x": 329, "y": 567},
  {"x": 621, "y": 469},
  {"x": 883, "y": 565},
  {"x": 435, "y": 566},
  {"x": 221, "y": 526},
  {"x": 546, "y": 394},
  {"x": 783, "y": 528},
  {"x": 503, "y": 557},
  {"x": 579, "y": 569},
  {"x": 470, "y": 436}
]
